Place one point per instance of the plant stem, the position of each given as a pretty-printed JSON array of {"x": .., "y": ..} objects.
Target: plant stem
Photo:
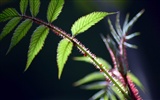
[{"x": 81, "y": 47}]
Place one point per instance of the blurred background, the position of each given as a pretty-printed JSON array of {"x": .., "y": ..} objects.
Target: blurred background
[{"x": 40, "y": 81}]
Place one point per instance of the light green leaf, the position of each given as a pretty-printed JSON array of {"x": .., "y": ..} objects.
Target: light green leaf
[
  {"x": 36, "y": 43},
  {"x": 118, "y": 26},
  {"x": 19, "y": 33},
  {"x": 9, "y": 27},
  {"x": 63, "y": 51},
  {"x": 95, "y": 86},
  {"x": 85, "y": 22},
  {"x": 98, "y": 94},
  {"x": 132, "y": 35},
  {"x": 7, "y": 14},
  {"x": 90, "y": 77},
  {"x": 34, "y": 7},
  {"x": 106, "y": 97},
  {"x": 136, "y": 80},
  {"x": 118, "y": 93},
  {"x": 87, "y": 59},
  {"x": 54, "y": 9},
  {"x": 23, "y": 6},
  {"x": 112, "y": 97},
  {"x": 130, "y": 45}
]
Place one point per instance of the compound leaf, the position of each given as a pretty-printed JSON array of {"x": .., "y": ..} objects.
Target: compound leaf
[
  {"x": 54, "y": 9},
  {"x": 23, "y": 6},
  {"x": 90, "y": 77},
  {"x": 36, "y": 43},
  {"x": 85, "y": 22},
  {"x": 34, "y": 7},
  {"x": 9, "y": 27},
  {"x": 7, "y": 14},
  {"x": 63, "y": 51},
  {"x": 19, "y": 33}
]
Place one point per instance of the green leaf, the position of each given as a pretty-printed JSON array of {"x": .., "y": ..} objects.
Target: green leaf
[
  {"x": 118, "y": 93},
  {"x": 136, "y": 80},
  {"x": 9, "y": 27},
  {"x": 130, "y": 45},
  {"x": 106, "y": 97},
  {"x": 34, "y": 7},
  {"x": 7, "y": 14},
  {"x": 112, "y": 97},
  {"x": 118, "y": 26},
  {"x": 85, "y": 22},
  {"x": 36, "y": 43},
  {"x": 87, "y": 59},
  {"x": 90, "y": 77},
  {"x": 63, "y": 51},
  {"x": 95, "y": 86},
  {"x": 54, "y": 9},
  {"x": 132, "y": 35},
  {"x": 19, "y": 33},
  {"x": 98, "y": 95},
  {"x": 23, "y": 6}
]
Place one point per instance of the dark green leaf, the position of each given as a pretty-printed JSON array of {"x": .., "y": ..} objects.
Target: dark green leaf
[
  {"x": 23, "y": 6},
  {"x": 85, "y": 22},
  {"x": 19, "y": 33},
  {"x": 63, "y": 51},
  {"x": 9, "y": 27},
  {"x": 98, "y": 95},
  {"x": 36, "y": 43},
  {"x": 136, "y": 80},
  {"x": 90, "y": 77},
  {"x": 34, "y": 7},
  {"x": 87, "y": 59},
  {"x": 95, "y": 86},
  {"x": 54, "y": 9},
  {"x": 7, "y": 14}
]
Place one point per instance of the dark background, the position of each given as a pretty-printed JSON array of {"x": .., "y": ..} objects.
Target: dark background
[{"x": 40, "y": 81}]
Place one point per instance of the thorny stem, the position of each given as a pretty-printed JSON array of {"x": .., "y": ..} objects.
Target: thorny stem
[{"x": 81, "y": 47}]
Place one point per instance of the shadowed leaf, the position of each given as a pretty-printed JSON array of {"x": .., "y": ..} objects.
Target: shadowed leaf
[
  {"x": 19, "y": 33},
  {"x": 95, "y": 86},
  {"x": 7, "y": 14},
  {"x": 34, "y": 7},
  {"x": 85, "y": 22},
  {"x": 136, "y": 80},
  {"x": 132, "y": 35},
  {"x": 130, "y": 45},
  {"x": 90, "y": 77},
  {"x": 9, "y": 27},
  {"x": 23, "y": 6},
  {"x": 63, "y": 51},
  {"x": 87, "y": 59},
  {"x": 54, "y": 9},
  {"x": 36, "y": 43},
  {"x": 98, "y": 95}
]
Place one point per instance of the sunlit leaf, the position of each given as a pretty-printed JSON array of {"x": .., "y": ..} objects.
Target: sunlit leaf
[
  {"x": 63, "y": 51},
  {"x": 7, "y": 14},
  {"x": 90, "y": 77},
  {"x": 95, "y": 86},
  {"x": 34, "y": 7},
  {"x": 87, "y": 59},
  {"x": 23, "y": 6},
  {"x": 132, "y": 35},
  {"x": 118, "y": 93},
  {"x": 9, "y": 27},
  {"x": 136, "y": 80},
  {"x": 98, "y": 95},
  {"x": 54, "y": 9},
  {"x": 19, "y": 33},
  {"x": 85, "y": 22},
  {"x": 36, "y": 43}
]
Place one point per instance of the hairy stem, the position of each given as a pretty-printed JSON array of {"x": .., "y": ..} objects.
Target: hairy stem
[{"x": 81, "y": 47}]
